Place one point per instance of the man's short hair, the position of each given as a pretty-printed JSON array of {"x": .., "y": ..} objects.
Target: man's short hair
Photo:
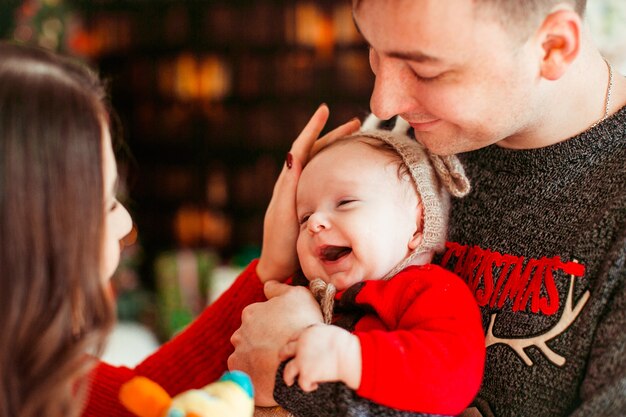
[{"x": 523, "y": 17}]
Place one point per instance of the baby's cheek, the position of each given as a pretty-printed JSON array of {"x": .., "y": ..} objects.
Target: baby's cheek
[
  {"x": 309, "y": 268},
  {"x": 301, "y": 247}
]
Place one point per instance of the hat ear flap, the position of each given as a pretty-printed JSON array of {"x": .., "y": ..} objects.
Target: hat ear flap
[
  {"x": 401, "y": 127},
  {"x": 451, "y": 173},
  {"x": 371, "y": 122}
]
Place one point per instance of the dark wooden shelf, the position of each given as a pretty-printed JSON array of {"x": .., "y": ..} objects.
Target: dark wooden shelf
[{"x": 182, "y": 139}]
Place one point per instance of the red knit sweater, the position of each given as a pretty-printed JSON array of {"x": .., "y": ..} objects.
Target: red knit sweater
[
  {"x": 194, "y": 358},
  {"x": 423, "y": 349}
]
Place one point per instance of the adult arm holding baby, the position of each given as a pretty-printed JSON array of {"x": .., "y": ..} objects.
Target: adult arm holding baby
[
  {"x": 371, "y": 210},
  {"x": 198, "y": 355},
  {"x": 289, "y": 309}
]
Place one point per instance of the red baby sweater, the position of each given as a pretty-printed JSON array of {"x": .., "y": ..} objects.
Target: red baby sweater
[
  {"x": 423, "y": 349},
  {"x": 192, "y": 359}
]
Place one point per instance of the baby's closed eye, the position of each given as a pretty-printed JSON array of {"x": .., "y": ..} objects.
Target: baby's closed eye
[{"x": 345, "y": 202}]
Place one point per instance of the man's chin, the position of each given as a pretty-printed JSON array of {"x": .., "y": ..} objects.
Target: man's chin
[{"x": 445, "y": 146}]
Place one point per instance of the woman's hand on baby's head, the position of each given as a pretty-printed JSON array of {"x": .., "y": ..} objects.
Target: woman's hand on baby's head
[
  {"x": 279, "y": 259},
  {"x": 345, "y": 129}
]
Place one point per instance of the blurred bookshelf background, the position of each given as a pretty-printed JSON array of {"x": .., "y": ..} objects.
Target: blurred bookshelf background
[{"x": 210, "y": 95}]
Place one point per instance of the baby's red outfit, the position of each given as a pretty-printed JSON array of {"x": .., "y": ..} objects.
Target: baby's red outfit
[{"x": 421, "y": 339}]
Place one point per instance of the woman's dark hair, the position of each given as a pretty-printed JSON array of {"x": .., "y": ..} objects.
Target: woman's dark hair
[{"x": 54, "y": 307}]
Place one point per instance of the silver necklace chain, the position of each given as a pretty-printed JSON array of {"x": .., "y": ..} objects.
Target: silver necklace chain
[{"x": 607, "y": 101}]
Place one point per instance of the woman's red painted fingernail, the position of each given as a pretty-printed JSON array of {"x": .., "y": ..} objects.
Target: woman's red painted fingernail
[{"x": 289, "y": 160}]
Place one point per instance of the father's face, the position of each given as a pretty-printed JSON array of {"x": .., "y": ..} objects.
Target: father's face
[{"x": 454, "y": 74}]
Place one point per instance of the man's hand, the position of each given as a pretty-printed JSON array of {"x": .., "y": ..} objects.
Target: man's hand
[{"x": 265, "y": 328}]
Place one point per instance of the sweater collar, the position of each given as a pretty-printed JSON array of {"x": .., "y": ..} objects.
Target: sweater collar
[{"x": 607, "y": 135}]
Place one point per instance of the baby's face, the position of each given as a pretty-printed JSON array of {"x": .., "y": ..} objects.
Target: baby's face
[{"x": 357, "y": 217}]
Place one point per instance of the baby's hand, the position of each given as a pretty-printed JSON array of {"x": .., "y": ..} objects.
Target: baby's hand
[{"x": 322, "y": 353}]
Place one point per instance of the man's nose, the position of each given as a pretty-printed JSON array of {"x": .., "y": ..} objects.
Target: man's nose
[{"x": 393, "y": 92}]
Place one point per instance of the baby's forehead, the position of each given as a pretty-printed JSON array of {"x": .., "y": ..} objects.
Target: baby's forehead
[
  {"x": 367, "y": 151},
  {"x": 354, "y": 139},
  {"x": 358, "y": 145},
  {"x": 360, "y": 159}
]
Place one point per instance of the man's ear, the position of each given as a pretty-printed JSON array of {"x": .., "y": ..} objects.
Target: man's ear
[{"x": 559, "y": 40}]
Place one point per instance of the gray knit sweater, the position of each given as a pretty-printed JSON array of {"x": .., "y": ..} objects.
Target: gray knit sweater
[{"x": 541, "y": 240}]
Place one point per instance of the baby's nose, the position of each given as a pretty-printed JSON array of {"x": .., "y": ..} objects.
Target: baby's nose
[{"x": 318, "y": 222}]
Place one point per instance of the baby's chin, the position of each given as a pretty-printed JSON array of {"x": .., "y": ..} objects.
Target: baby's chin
[{"x": 341, "y": 280}]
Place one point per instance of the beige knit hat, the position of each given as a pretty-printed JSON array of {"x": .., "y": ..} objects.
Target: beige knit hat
[{"x": 435, "y": 177}]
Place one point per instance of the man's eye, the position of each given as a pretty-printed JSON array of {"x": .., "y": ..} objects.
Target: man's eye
[{"x": 426, "y": 79}]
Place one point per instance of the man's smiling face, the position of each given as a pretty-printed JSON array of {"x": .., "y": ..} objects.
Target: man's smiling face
[{"x": 451, "y": 71}]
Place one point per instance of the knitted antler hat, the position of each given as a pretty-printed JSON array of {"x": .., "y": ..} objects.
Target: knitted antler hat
[{"x": 435, "y": 178}]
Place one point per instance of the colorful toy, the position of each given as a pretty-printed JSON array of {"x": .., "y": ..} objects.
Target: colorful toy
[{"x": 231, "y": 396}]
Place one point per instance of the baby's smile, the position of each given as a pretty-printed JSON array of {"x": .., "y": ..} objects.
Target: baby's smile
[{"x": 333, "y": 253}]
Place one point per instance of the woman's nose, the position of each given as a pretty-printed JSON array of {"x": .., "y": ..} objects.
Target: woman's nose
[{"x": 125, "y": 223}]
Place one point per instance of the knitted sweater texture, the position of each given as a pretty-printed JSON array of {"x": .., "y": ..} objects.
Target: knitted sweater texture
[
  {"x": 541, "y": 241},
  {"x": 194, "y": 358},
  {"x": 422, "y": 347}
]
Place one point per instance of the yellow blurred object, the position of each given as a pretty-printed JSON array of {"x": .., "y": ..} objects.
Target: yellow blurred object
[{"x": 231, "y": 396}]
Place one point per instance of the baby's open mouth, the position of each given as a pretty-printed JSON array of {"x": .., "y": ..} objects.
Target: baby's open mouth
[{"x": 332, "y": 253}]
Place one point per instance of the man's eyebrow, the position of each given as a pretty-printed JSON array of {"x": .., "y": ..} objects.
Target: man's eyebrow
[{"x": 414, "y": 56}]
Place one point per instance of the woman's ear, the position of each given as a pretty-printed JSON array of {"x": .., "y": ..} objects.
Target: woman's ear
[{"x": 559, "y": 40}]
